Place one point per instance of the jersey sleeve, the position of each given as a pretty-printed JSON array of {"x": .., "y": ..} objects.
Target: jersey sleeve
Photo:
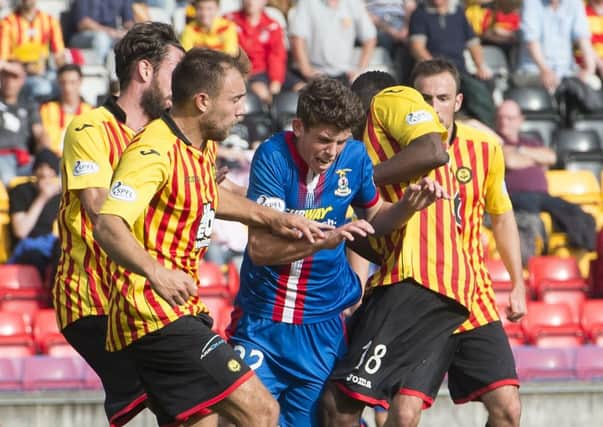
[
  {"x": 497, "y": 197},
  {"x": 86, "y": 156},
  {"x": 137, "y": 178},
  {"x": 367, "y": 194},
  {"x": 266, "y": 179},
  {"x": 404, "y": 115}
]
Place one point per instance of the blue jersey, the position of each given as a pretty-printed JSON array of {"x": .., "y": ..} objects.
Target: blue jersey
[{"x": 320, "y": 286}]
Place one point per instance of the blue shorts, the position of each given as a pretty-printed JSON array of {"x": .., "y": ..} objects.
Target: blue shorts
[{"x": 293, "y": 361}]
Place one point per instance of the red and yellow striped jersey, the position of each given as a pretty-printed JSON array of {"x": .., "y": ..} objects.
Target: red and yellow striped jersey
[
  {"x": 55, "y": 120},
  {"x": 42, "y": 31},
  {"x": 429, "y": 248},
  {"x": 477, "y": 162},
  {"x": 595, "y": 25},
  {"x": 222, "y": 36},
  {"x": 165, "y": 189},
  {"x": 94, "y": 142}
]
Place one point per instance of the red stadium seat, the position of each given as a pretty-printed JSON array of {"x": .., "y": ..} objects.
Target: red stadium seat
[
  {"x": 234, "y": 279},
  {"x": 574, "y": 299},
  {"x": 20, "y": 281},
  {"x": 551, "y": 325},
  {"x": 15, "y": 339},
  {"x": 26, "y": 308},
  {"x": 11, "y": 372},
  {"x": 514, "y": 331},
  {"x": 212, "y": 280},
  {"x": 592, "y": 320},
  {"x": 51, "y": 373},
  {"x": 570, "y": 285},
  {"x": 219, "y": 310},
  {"x": 91, "y": 380},
  {"x": 544, "y": 363},
  {"x": 46, "y": 332},
  {"x": 497, "y": 270},
  {"x": 551, "y": 267},
  {"x": 589, "y": 362}
]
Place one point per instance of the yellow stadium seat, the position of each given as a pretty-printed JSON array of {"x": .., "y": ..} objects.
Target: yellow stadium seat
[
  {"x": 579, "y": 187},
  {"x": 18, "y": 180},
  {"x": 3, "y": 199},
  {"x": 5, "y": 240}
]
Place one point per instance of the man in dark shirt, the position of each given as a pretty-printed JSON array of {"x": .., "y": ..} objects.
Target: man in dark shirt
[{"x": 34, "y": 207}]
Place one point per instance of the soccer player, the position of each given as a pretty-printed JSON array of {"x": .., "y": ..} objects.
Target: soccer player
[
  {"x": 94, "y": 141},
  {"x": 156, "y": 225},
  {"x": 287, "y": 323},
  {"x": 424, "y": 286},
  {"x": 478, "y": 357}
]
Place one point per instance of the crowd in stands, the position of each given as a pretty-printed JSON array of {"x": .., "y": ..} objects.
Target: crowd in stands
[{"x": 554, "y": 48}]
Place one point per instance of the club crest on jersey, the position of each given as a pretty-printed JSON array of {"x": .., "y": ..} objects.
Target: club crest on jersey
[
  {"x": 233, "y": 365},
  {"x": 343, "y": 184},
  {"x": 464, "y": 175},
  {"x": 121, "y": 191}
]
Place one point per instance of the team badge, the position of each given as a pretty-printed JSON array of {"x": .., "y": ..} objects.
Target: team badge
[
  {"x": 233, "y": 365},
  {"x": 343, "y": 184},
  {"x": 464, "y": 175}
]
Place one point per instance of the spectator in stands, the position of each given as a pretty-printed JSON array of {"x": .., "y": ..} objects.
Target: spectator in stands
[
  {"x": 34, "y": 207},
  {"x": 549, "y": 30},
  {"x": 323, "y": 34},
  {"x": 30, "y": 36},
  {"x": 594, "y": 15},
  {"x": 20, "y": 127},
  {"x": 526, "y": 162},
  {"x": 210, "y": 30},
  {"x": 262, "y": 40},
  {"x": 500, "y": 25},
  {"x": 57, "y": 114},
  {"x": 99, "y": 24},
  {"x": 440, "y": 28}
]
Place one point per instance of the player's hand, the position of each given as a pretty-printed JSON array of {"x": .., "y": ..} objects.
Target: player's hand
[
  {"x": 347, "y": 231},
  {"x": 549, "y": 80},
  {"x": 221, "y": 174},
  {"x": 174, "y": 286},
  {"x": 484, "y": 72},
  {"x": 49, "y": 187},
  {"x": 517, "y": 302},
  {"x": 296, "y": 227},
  {"x": 422, "y": 194}
]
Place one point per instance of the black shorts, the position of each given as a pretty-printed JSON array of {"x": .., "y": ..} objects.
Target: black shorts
[
  {"x": 124, "y": 394},
  {"x": 477, "y": 361},
  {"x": 393, "y": 330},
  {"x": 186, "y": 368}
]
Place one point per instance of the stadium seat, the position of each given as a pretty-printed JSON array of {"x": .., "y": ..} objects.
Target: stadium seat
[
  {"x": 10, "y": 372},
  {"x": 212, "y": 280},
  {"x": 497, "y": 270},
  {"x": 219, "y": 309},
  {"x": 46, "y": 332},
  {"x": 5, "y": 237},
  {"x": 589, "y": 162},
  {"x": 544, "y": 127},
  {"x": 254, "y": 104},
  {"x": 569, "y": 286},
  {"x": 26, "y": 308},
  {"x": 569, "y": 141},
  {"x": 589, "y": 363},
  {"x": 284, "y": 108},
  {"x": 51, "y": 373},
  {"x": 590, "y": 122},
  {"x": 90, "y": 379},
  {"x": 544, "y": 363},
  {"x": 551, "y": 325},
  {"x": 592, "y": 320},
  {"x": 514, "y": 331},
  {"x": 575, "y": 300},
  {"x": 577, "y": 186},
  {"x": 15, "y": 339},
  {"x": 20, "y": 281},
  {"x": 233, "y": 278},
  {"x": 552, "y": 268}
]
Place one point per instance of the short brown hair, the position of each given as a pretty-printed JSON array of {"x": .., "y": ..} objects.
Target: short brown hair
[
  {"x": 431, "y": 67},
  {"x": 146, "y": 40},
  {"x": 202, "y": 70},
  {"x": 328, "y": 101}
]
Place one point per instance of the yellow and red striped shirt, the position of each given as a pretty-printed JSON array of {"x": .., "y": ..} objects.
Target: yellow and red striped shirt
[
  {"x": 55, "y": 120},
  {"x": 94, "y": 142},
  {"x": 165, "y": 189},
  {"x": 477, "y": 162},
  {"x": 429, "y": 248},
  {"x": 42, "y": 31},
  {"x": 595, "y": 25},
  {"x": 222, "y": 36}
]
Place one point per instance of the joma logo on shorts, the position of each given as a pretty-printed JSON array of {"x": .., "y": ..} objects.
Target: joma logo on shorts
[{"x": 359, "y": 380}]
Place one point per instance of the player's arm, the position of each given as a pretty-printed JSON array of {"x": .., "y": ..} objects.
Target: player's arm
[
  {"x": 265, "y": 248},
  {"x": 233, "y": 207}
]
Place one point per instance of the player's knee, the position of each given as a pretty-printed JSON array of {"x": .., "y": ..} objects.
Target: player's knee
[
  {"x": 505, "y": 413},
  {"x": 265, "y": 410},
  {"x": 337, "y": 409},
  {"x": 405, "y": 416}
]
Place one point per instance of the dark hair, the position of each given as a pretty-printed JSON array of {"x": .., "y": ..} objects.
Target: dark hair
[
  {"x": 202, "y": 70},
  {"x": 65, "y": 68},
  {"x": 146, "y": 40},
  {"x": 328, "y": 101},
  {"x": 369, "y": 84},
  {"x": 46, "y": 157},
  {"x": 431, "y": 67}
]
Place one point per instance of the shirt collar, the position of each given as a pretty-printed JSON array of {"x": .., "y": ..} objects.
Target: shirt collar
[
  {"x": 111, "y": 105},
  {"x": 169, "y": 121}
]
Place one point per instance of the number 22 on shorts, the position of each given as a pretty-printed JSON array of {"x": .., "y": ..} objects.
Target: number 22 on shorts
[
  {"x": 256, "y": 356},
  {"x": 373, "y": 363}
]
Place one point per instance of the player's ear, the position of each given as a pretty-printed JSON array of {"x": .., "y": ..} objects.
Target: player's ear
[
  {"x": 145, "y": 70},
  {"x": 458, "y": 102},
  {"x": 297, "y": 126},
  {"x": 202, "y": 101}
]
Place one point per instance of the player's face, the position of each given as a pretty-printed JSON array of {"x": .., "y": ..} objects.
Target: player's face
[
  {"x": 206, "y": 12},
  {"x": 227, "y": 108},
  {"x": 253, "y": 6},
  {"x": 319, "y": 145},
  {"x": 440, "y": 92},
  {"x": 158, "y": 96}
]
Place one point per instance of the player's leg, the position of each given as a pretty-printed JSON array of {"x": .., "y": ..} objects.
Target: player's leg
[
  {"x": 337, "y": 408},
  {"x": 484, "y": 370},
  {"x": 189, "y": 372},
  {"x": 380, "y": 416},
  {"x": 124, "y": 393},
  {"x": 405, "y": 410}
]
